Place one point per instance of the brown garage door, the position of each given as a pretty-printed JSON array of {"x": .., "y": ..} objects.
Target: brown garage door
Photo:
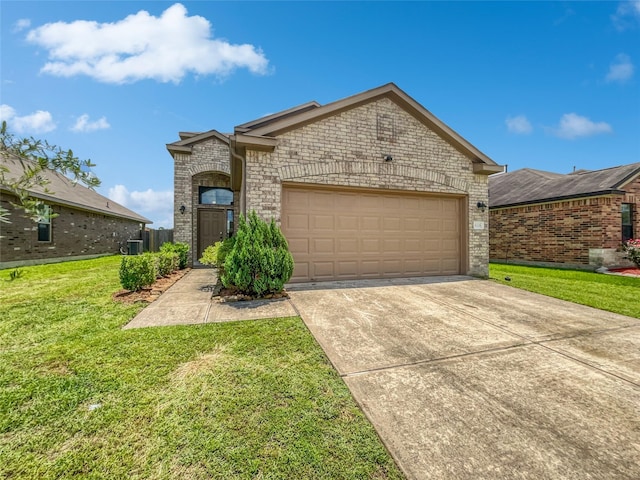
[{"x": 344, "y": 234}]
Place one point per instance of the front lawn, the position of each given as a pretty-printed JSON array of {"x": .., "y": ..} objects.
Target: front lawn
[
  {"x": 79, "y": 397},
  {"x": 607, "y": 292}
]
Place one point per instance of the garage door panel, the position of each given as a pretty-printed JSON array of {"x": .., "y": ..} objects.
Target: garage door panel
[
  {"x": 347, "y": 268},
  {"x": 322, "y": 201},
  {"x": 392, "y": 224},
  {"x": 322, "y": 246},
  {"x": 369, "y": 223},
  {"x": 297, "y": 197},
  {"x": 392, "y": 267},
  {"x": 347, "y": 222},
  {"x": 370, "y": 268},
  {"x": 300, "y": 271},
  {"x": 322, "y": 270},
  {"x": 340, "y": 234},
  {"x": 299, "y": 245},
  {"x": 347, "y": 246},
  {"x": 296, "y": 221},
  {"x": 392, "y": 245},
  {"x": 370, "y": 245},
  {"x": 321, "y": 223}
]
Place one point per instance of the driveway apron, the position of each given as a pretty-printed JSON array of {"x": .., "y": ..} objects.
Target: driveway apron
[{"x": 465, "y": 378}]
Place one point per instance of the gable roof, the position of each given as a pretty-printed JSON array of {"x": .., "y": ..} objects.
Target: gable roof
[
  {"x": 188, "y": 139},
  {"x": 287, "y": 120},
  {"x": 527, "y": 186},
  {"x": 65, "y": 192}
]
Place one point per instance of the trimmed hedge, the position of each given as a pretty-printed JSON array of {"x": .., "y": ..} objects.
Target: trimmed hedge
[
  {"x": 182, "y": 249},
  {"x": 167, "y": 263},
  {"x": 137, "y": 271}
]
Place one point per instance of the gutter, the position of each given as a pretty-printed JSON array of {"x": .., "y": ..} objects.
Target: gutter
[{"x": 243, "y": 183}]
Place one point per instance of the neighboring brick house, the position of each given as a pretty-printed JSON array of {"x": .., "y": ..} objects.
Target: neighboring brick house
[
  {"x": 371, "y": 186},
  {"x": 87, "y": 224},
  {"x": 581, "y": 218}
]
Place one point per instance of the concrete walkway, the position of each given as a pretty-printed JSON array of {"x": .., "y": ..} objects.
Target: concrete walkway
[{"x": 189, "y": 302}]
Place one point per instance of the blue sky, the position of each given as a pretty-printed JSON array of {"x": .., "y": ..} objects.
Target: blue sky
[{"x": 548, "y": 85}]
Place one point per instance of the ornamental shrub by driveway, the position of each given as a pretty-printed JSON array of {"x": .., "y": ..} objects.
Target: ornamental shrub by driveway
[{"x": 259, "y": 262}]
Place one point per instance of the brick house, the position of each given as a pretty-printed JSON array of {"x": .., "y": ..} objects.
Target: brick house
[
  {"x": 578, "y": 219},
  {"x": 86, "y": 224},
  {"x": 371, "y": 186}
]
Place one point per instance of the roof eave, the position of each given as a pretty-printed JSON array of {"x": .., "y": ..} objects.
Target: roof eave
[
  {"x": 265, "y": 144},
  {"x": 78, "y": 206},
  {"x": 482, "y": 168},
  {"x": 559, "y": 198}
]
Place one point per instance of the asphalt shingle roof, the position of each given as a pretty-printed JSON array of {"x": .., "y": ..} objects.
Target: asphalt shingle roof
[
  {"x": 531, "y": 186},
  {"x": 64, "y": 191}
]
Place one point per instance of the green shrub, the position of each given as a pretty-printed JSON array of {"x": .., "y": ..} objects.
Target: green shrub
[
  {"x": 137, "y": 271},
  {"x": 216, "y": 254},
  {"x": 210, "y": 255},
  {"x": 259, "y": 261},
  {"x": 182, "y": 249},
  {"x": 167, "y": 263}
]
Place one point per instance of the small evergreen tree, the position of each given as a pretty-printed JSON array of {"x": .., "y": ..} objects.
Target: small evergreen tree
[{"x": 259, "y": 262}]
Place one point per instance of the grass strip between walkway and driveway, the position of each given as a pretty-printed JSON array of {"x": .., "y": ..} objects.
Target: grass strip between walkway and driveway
[
  {"x": 614, "y": 293},
  {"x": 79, "y": 397}
]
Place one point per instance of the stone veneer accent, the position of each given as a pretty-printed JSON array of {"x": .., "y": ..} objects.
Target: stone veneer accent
[
  {"x": 208, "y": 162},
  {"x": 74, "y": 233},
  {"x": 580, "y": 231},
  {"x": 347, "y": 149}
]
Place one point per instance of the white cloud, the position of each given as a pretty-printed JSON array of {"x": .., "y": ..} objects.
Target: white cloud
[
  {"x": 519, "y": 124},
  {"x": 620, "y": 70},
  {"x": 155, "y": 205},
  {"x": 627, "y": 15},
  {"x": 21, "y": 24},
  {"x": 141, "y": 46},
  {"x": 38, "y": 122},
  {"x": 573, "y": 126},
  {"x": 84, "y": 125}
]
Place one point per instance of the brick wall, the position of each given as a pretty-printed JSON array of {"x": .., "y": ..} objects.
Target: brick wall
[
  {"x": 347, "y": 150},
  {"x": 208, "y": 162},
  {"x": 561, "y": 232},
  {"x": 73, "y": 233}
]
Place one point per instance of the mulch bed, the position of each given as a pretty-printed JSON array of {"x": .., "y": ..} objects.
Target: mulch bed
[
  {"x": 148, "y": 295},
  {"x": 627, "y": 271}
]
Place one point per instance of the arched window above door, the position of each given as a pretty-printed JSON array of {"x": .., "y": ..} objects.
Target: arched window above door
[{"x": 215, "y": 196}]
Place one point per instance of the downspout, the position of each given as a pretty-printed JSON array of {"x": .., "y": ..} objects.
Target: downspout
[{"x": 243, "y": 183}]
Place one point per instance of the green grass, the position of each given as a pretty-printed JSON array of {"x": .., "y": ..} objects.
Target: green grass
[
  {"x": 79, "y": 397},
  {"x": 607, "y": 292}
]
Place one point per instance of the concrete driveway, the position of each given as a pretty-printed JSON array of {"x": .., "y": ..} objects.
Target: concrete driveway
[{"x": 465, "y": 378}]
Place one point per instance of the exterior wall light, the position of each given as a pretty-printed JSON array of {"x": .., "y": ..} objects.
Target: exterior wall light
[
  {"x": 182, "y": 209},
  {"x": 481, "y": 206}
]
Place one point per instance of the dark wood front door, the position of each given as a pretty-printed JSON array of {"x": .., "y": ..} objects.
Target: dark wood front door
[{"x": 212, "y": 228}]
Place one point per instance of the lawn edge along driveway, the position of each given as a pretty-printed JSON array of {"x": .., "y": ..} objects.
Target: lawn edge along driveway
[{"x": 466, "y": 378}]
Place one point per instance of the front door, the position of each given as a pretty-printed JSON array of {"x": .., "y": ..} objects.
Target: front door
[{"x": 212, "y": 228}]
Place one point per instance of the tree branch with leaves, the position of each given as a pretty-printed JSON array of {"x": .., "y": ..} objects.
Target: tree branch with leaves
[{"x": 36, "y": 158}]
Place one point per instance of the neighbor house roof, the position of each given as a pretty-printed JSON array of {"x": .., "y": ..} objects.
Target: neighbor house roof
[
  {"x": 65, "y": 192},
  {"x": 311, "y": 112},
  {"x": 527, "y": 186}
]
